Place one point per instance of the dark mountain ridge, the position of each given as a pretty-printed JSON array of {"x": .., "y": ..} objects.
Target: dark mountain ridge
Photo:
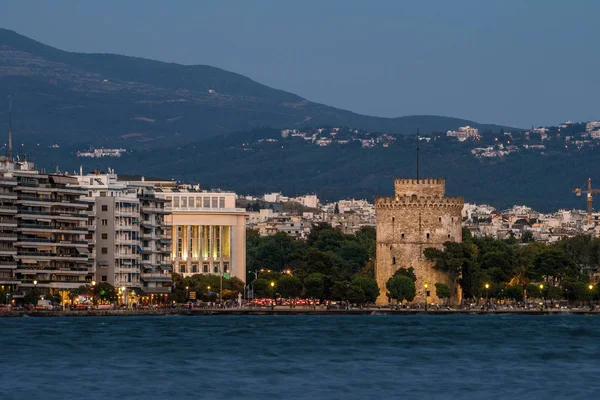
[{"x": 113, "y": 100}]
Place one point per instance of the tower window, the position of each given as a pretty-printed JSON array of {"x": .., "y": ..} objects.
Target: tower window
[
  {"x": 448, "y": 236},
  {"x": 393, "y": 219},
  {"x": 393, "y": 260},
  {"x": 428, "y": 236},
  {"x": 402, "y": 236}
]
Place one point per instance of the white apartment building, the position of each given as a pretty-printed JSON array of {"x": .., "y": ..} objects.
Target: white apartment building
[{"x": 129, "y": 239}]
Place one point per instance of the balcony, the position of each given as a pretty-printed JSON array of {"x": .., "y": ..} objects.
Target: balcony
[
  {"x": 23, "y": 227},
  {"x": 154, "y": 210},
  {"x": 8, "y": 264},
  {"x": 127, "y": 270},
  {"x": 126, "y": 214},
  {"x": 55, "y": 215},
  {"x": 8, "y": 237},
  {"x": 8, "y": 181},
  {"x": 38, "y": 255},
  {"x": 8, "y": 196},
  {"x": 156, "y": 277},
  {"x": 8, "y": 252},
  {"x": 123, "y": 227},
  {"x": 127, "y": 242},
  {"x": 130, "y": 256},
  {"x": 8, "y": 209}
]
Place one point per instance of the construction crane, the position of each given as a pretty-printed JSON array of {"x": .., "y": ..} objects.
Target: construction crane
[{"x": 590, "y": 194}]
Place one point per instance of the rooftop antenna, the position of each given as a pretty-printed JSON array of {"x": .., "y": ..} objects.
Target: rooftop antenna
[
  {"x": 418, "y": 140},
  {"x": 10, "y": 138}
]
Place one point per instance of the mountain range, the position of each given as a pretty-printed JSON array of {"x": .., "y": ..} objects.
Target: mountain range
[{"x": 120, "y": 101}]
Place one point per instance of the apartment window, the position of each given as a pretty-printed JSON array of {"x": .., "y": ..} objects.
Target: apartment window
[
  {"x": 105, "y": 236},
  {"x": 205, "y": 268},
  {"x": 145, "y": 243},
  {"x": 194, "y": 269},
  {"x": 191, "y": 202},
  {"x": 184, "y": 202},
  {"x": 182, "y": 268},
  {"x": 216, "y": 269},
  {"x": 198, "y": 202},
  {"x": 104, "y": 250},
  {"x": 104, "y": 222},
  {"x": 104, "y": 207},
  {"x": 104, "y": 278},
  {"x": 175, "y": 201},
  {"x": 207, "y": 202},
  {"x": 214, "y": 202},
  {"x": 221, "y": 202},
  {"x": 226, "y": 268}
]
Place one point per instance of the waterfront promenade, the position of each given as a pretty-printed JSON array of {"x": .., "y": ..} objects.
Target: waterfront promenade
[{"x": 289, "y": 311}]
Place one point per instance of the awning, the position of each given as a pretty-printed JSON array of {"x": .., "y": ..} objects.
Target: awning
[
  {"x": 83, "y": 250},
  {"x": 64, "y": 180},
  {"x": 138, "y": 291}
]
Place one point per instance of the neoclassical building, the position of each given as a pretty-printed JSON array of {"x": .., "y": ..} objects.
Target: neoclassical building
[
  {"x": 417, "y": 217},
  {"x": 209, "y": 232}
]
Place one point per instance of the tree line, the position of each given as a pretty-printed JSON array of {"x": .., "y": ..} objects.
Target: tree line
[
  {"x": 516, "y": 270},
  {"x": 327, "y": 265}
]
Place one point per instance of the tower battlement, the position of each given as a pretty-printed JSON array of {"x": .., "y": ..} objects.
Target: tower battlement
[
  {"x": 420, "y": 187},
  {"x": 418, "y": 201}
]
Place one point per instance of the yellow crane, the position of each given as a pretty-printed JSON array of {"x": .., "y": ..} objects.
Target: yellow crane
[{"x": 590, "y": 194}]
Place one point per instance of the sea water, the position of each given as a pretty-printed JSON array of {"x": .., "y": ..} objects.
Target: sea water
[{"x": 301, "y": 357}]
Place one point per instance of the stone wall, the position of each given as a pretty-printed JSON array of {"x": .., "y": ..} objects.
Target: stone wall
[{"x": 418, "y": 217}]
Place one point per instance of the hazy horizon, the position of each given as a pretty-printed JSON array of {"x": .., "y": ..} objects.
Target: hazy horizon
[{"x": 510, "y": 63}]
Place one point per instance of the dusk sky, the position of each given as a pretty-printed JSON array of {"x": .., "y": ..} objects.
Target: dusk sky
[{"x": 517, "y": 63}]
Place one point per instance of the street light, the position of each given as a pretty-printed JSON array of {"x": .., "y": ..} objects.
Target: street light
[
  {"x": 93, "y": 283},
  {"x": 187, "y": 293},
  {"x": 487, "y": 291},
  {"x": 426, "y": 295},
  {"x": 542, "y": 295},
  {"x": 591, "y": 287},
  {"x": 274, "y": 298}
]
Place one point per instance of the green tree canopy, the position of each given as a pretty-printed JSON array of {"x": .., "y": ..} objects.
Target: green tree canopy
[{"x": 401, "y": 288}]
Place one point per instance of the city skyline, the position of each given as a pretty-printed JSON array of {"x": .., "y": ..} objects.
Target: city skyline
[{"x": 389, "y": 60}]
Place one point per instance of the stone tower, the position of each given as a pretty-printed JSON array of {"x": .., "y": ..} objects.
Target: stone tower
[{"x": 417, "y": 217}]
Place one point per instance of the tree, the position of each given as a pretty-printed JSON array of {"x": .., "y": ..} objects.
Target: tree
[
  {"x": 369, "y": 287},
  {"x": 442, "y": 291},
  {"x": 338, "y": 290},
  {"x": 401, "y": 288},
  {"x": 527, "y": 237},
  {"x": 289, "y": 287},
  {"x": 356, "y": 295},
  {"x": 105, "y": 292},
  {"x": 32, "y": 296},
  {"x": 533, "y": 291},
  {"x": 313, "y": 286},
  {"x": 514, "y": 292},
  {"x": 409, "y": 273}
]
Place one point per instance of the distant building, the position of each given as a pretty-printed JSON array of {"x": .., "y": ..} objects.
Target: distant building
[{"x": 464, "y": 133}]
